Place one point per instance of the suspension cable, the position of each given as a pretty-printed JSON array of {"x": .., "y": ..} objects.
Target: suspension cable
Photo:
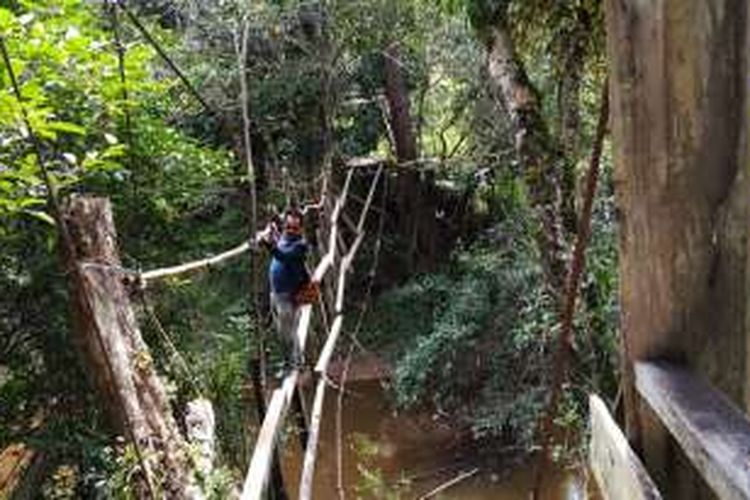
[
  {"x": 198, "y": 383},
  {"x": 155, "y": 44},
  {"x": 54, "y": 198}
]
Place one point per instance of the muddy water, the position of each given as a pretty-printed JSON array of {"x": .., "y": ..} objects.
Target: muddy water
[{"x": 384, "y": 453}]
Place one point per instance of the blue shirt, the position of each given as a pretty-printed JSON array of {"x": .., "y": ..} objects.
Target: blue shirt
[{"x": 287, "y": 272}]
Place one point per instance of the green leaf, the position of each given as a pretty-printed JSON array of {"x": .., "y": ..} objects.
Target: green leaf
[
  {"x": 71, "y": 128},
  {"x": 6, "y": 19},
  {"x": 42, "y": 216},
  {"x": 115, "y": 151}
]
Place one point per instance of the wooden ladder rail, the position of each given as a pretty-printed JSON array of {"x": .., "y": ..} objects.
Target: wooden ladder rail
[{"x": 321, "y": 367}]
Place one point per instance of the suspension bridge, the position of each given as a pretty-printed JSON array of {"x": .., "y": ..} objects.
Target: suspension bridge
[
  {"x": 683, "y": 432},
  {"x": 109, "y": 283}
]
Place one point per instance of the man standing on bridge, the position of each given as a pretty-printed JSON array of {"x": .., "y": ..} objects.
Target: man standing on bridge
[{"x": 288, "y": 278}]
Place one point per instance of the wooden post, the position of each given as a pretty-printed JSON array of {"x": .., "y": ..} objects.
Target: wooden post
[{"x": 114, "y": 352}]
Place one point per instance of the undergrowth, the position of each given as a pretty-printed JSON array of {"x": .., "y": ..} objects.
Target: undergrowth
[{"x": 475, "y": 342}]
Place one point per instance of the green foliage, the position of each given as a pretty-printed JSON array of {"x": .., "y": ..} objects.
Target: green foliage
[
  {"x": 168, "y": 189},
  {"x": 472, "y": 340},
  {"x": 477, "y": 341},
  {"x": 372, "y": 483},
  {"x": 62, "y": 485},
  {"x": 430, "y": 369},
  {"x": 406, "y": 311},
  {"x": 227, "y": 375},
  {"x": 125, "y": 467},
  {"x": 220, "y": 484},
  {"x": 82, "y": 460},
  {"x": 67, "y": 72},
  {"x": 215, "y": 334}
]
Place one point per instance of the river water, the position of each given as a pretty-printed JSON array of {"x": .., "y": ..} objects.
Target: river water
[{"x": 405, "y": 456}]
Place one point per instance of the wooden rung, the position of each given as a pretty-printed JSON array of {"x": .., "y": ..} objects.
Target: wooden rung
[
  {"x": 368, "y": 203},
  {"x": 365, "y": 162},
  {"x": 348, "y": 222}
]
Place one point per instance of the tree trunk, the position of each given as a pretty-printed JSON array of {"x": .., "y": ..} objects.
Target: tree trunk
[
  {"x": 415, "y": 207},
  {"x": 397, "y": 94},
  {"x": 574, "y": 52},
  {"x": 115, "y": 354},
  {"x": 540, "y": 160},
  {"x": 680, "y": 127},
  {"x": 399, "y": 116}
]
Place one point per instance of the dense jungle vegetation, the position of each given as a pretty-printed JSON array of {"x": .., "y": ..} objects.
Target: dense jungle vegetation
[{"x": 483, "y": 112}]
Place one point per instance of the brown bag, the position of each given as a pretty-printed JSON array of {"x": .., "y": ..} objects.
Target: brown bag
[{"x": 309, "y": 293}]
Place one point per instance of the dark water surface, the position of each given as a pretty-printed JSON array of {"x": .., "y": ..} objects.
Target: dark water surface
[{"x": 406, "y": 456}]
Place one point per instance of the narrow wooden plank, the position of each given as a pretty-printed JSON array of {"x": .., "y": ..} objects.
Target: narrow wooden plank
[
  {"x": 311, "y": 450},
  {"x": 338, "y": 307},
  {"x": 354, "y": 249},
  {"x": 346, "y": 263},
  {"x": 328, "y": 259},
  {"x": 257, "y": 475},
  {"x": 303, "y": 325},
  {"x": 322, "y": 268},
  {"x": 365, "y": 162},
  {"x": 710, "y": 429},
  {"x": 260, "y": 465},
  {"x": 345, "y": 190},
  {"x": 619, "y": 473},
  {"x": 325, "y": 355}
]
